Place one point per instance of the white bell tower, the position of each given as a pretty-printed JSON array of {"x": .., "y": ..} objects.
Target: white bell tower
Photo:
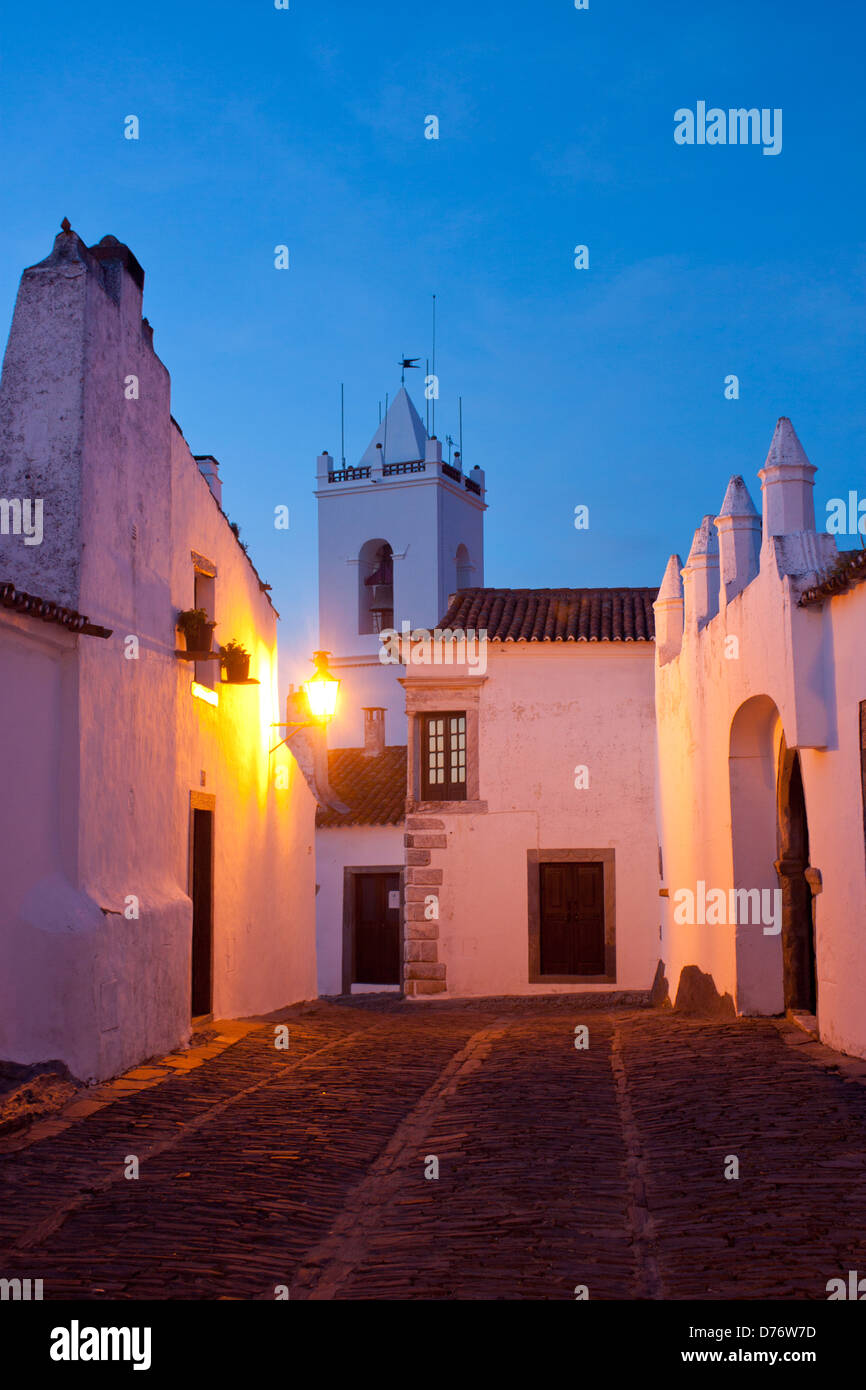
[{"x": 398, "y": 534}]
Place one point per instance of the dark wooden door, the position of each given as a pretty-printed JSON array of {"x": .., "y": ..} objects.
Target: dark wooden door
[
  {"x": 202, "y": 912},
  {"x": 572, "y": 919},
  {"x": 377, "y": 930}
]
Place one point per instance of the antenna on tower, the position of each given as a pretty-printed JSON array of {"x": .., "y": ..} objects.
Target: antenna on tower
[
  {"x": 433, "y": 409},
  {"x": 460, "y": 430},
  {"x": 342, "y": 429}
]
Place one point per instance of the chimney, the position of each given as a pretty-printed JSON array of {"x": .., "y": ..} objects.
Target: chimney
[
  {"x": 701, "y": 576},
  {"x": 324, "y": 466},
  {"x": 786, "y": 483},
  {"x": 433, "y": 450},
  {"x": 122, "y": 275},
  {"x": 374, "y": 730},
  {"x": 739, "y": 528},
  {"x": 668, "y": 609},
  {"x": 209, "y": 469}
]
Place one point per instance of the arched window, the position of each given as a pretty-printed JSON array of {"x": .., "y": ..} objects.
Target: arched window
[
  {"x": 464, "y": 568},
  {"x": 375, "y": 587}
]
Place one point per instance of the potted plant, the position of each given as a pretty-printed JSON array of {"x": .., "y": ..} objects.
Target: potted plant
[
  {"x": 236, "y": 662},
  {"x": 197, "y": 629}
]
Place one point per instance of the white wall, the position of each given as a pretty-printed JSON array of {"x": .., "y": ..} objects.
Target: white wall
[
  {"x": 546, "y": 708},
  {"x": 109, "y": 749},
  {"x": 809, "y": 665},
  {"x": 834, "y": 806},
  {"x": 351, "y": 846},
  {"x": 366, "y": 681}
]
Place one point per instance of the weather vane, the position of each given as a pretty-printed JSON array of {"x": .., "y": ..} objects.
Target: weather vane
[{"x": 405, "y": 362}]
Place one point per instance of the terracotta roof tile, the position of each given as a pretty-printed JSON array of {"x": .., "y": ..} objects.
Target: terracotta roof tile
[
  {"x": 48, "y": 611},
  {"x": 554, "y": 615},
  {"x": 850, "y": 570},
  {"x": 373, "y": 788}
]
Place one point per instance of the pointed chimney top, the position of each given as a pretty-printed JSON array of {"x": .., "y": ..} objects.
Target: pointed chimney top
[
  {"x": 786, "y": 482},
  {"x": 785, "y": 446},
  {"x": 706, "y": 540},
  {"x": 669, "y": 610},
  {"x": 671, "y": 590},
  {"x": 737, "y": 500}
]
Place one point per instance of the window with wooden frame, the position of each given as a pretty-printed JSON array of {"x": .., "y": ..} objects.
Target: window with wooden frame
[
  {"x": 206, "y": 672},
  {"x": 443, "y": 756}
]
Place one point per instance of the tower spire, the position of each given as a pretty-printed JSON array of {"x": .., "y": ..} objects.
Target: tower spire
[{"x": 401, "y": 433}]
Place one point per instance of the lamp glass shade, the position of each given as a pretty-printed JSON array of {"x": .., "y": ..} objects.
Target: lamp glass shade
[{"x": 321, "y": 689}]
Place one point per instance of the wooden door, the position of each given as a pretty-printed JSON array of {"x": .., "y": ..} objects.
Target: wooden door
[
  {"x": 572, "y": 919},
  {"x": 202, "y": 911},
  {"x": 377, "y": 929}
]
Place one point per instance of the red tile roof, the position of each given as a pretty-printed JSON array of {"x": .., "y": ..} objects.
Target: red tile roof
[
  {"x": 373, "y": 788},
  {"x": 555, "y": 615}
]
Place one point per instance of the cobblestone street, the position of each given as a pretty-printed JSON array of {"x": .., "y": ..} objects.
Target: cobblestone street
[{"x": 558, "y": 1167}]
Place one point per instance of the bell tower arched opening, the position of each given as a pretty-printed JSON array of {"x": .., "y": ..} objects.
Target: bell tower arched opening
[{"x": 375, "y": 587}]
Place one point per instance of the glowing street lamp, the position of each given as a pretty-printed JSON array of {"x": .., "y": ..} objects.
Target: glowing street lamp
[
  {"x": 321, "y": 692},
  {"x": 321, "y": 689}
]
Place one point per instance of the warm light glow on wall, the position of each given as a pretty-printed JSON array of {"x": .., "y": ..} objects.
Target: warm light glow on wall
[
  {"x": 203, "y": 692},
  {"x": 321, "y": 689}
]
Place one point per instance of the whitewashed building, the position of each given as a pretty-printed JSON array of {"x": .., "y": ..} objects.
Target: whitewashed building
[
  {"x": 156, "y": 836},
  {"x": 761, "y": 713},
  {"x": 531, "y": 847}
]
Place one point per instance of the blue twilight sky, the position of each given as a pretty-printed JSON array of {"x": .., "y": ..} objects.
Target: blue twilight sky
[{"x": 602, "y": 386}]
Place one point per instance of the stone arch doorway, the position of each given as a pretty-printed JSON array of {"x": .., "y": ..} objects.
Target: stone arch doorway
[{"x": 798, "y": 927}]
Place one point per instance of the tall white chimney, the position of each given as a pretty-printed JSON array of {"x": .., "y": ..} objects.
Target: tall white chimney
[
  {"x": 209, "y": 469},
  {"x": 786, "y": 484},
  {"x": 668, "y": 609},
  {"x": 701, "y": 576},
  {"x": 739, "y": 528},
  {"x": 374, "y": 730}
]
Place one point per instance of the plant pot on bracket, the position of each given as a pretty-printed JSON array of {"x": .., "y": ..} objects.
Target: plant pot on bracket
[
  {"x": 197, "y": 629},
  {"x": 236, "y": 663}
]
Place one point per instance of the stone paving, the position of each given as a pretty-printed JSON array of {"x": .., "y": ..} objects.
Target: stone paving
[{"x": 557, "y": 1167}]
